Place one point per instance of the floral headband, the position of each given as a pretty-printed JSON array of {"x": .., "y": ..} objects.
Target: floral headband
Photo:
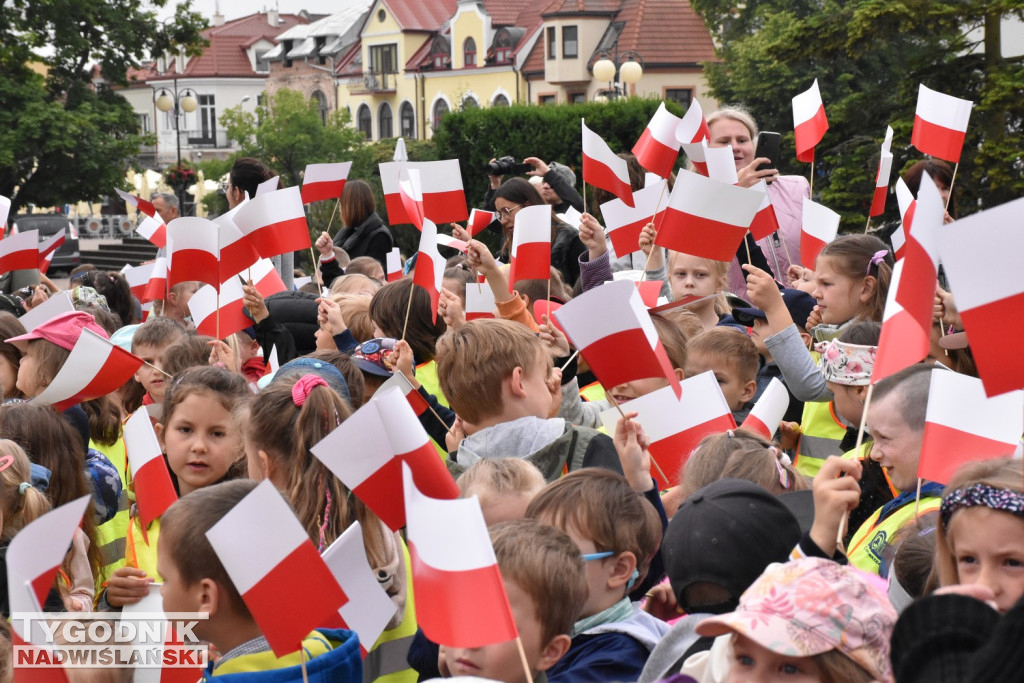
[
  {"x": 981, "y": 495},
  {"x": 848, "y": 364}
]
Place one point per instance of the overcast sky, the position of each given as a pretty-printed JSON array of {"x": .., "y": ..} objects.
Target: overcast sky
[{"x": 232, "y": 9}]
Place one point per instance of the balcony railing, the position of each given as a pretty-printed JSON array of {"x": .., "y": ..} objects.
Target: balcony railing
[{"x": 373, "y": 82}]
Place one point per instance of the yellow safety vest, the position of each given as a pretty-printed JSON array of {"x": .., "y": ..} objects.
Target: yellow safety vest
[
  {"x": 314, "y": 645},
  {"x": 426, "y": 374},
  {"x": 821, "y": 432},
  {"x": 140, "y": 552},
  {"x": 868, "y": 545},
  {"x": 593, "y": 392},
  {"x": 110, "y": 536},
  {"x": 388, "y": 659}
]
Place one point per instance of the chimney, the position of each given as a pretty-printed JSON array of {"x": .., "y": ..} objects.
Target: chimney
[
  {"x": 273, "y": 17},
  {"x": 218, "y": 18}
]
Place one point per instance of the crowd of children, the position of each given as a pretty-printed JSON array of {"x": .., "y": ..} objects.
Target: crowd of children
[{"x": 785, "y": 558}]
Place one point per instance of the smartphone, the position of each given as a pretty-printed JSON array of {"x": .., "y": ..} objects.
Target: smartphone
[{"x": 767, "y": 146}]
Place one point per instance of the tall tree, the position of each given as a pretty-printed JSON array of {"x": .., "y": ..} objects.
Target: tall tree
[
  {"x": 68, "y": 135},
  {"x": 869, "y": 57}
]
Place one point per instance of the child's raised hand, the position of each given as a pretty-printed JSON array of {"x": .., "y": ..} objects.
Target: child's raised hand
[
  {"x": 661, "y": 602},
  {"x": 814, "y": 319},
  {"x": 762, "y": 290},
  {"x": 554, "y": 340},
  {"x": 330, "y": 317},
  {"x": 631, "y": 444},
  {"x": 450, "y": 307},
  {"x": 325, "y": 245},
  {"x": 554, "y": 385},
  {"x": 401, "y": 360},
  {"x": 789, "y": 435},
  {"x": 647, "y": 238},
  {"x": 127, "y": 586},
  {"x": 835, "y": 496},
  {"x": 460, "y": 233},
  {"x": 254, "y": 303},
  {"x": 794, "y": 274},
  {"x": 221, "y": 352},
  {"x": 454, "y": 436},
  {"x": 479, "y": 257},
  {"x": 592, "y": 236}
]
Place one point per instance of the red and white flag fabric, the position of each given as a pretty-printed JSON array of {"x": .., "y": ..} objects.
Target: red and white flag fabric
[
  {"x": 765, "y": 221},
  {"x": 624, "y": 223},
  {"x": 394, "y": 259},
  {"x": 144, "y": 206},
  {"x": 265, "y": 278},
  {"x": 193, "y": 251},
  {"x": 693, "y": 127},
  {"x": 412, "y": 396},
  {"x": 20, "y": 251},
  {"x": 696, "y": 153},
  {"x": 908, "y": 206},
  {"x": 916, "y": 293},
  {"x": 882, "y": 177},
  {"x": 531, "y": 245},
  {"x": 675, "y": 425},
  {"x": 451, "y": 242},
  {"x": 707, "y": 218},
  {"x": 220, "y": 321},
  {"x": 276, "y": 568},
  {"x": 940, "y": 124},
  {"x": 47, "y": 248},
  {"x": 721, "y": 164},
  {"x": 171, "y": 644},
  {"x": 95, "y": 368},
  {"x": 650, "y": 291},
  {"x": 479, "y": 303},
  {"x": 156, "y": 288},
  {"x": 444, "y": 200},
  {"x": 57, "y": 304},
  {"x": 991, "y": 307},
  {"x": 658, "y": 149},
  {"x": 270, "y": 185},
  {"x": 609, "y": 323},
  {"x": 478, "y": 220},
  {"x": 546, "y": 307},
  {"x": 819, "y": 226},
  {"x": 154, "y": 230},
  {"x": 410, "y": 192},
  {"x": 5, "y": 211},
  {"x": 151, "y": 483},
  {"x": 603, "y": 168},
  {"x": 962, "y": 424},
  {"x": 275, "y": 222},
  {"x": 809, "y": 122},
  {"x": 904, "y": 341},
  {"x": 324, "y": 181},
  {"x": 460, "y": 596},
  {"x": 236, "y": 251},
  {"x": 386, "y": 433},
  {"x": 369, "y": 607},
  {"x": 767, "y": 413},
  {"x": 428, "y": 272}
]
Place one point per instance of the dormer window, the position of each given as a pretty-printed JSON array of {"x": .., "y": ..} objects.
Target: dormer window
[{"x": 469, "y": 52}]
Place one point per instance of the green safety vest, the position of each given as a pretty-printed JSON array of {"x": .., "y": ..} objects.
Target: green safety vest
[{"x": 821, "y": 432}]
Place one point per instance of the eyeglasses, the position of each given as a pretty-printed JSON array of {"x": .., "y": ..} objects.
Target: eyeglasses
[
  {"x": 598, "y": 556},
  {"x": 509, "y": 209}
]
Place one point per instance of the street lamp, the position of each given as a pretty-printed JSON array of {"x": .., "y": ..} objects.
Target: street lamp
[
  {"x": 618, "y": 71},
  {"x": 183, "y": 101}
]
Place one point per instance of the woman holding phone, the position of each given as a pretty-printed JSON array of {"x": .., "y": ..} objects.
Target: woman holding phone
[{"x": 737, "y": 128}]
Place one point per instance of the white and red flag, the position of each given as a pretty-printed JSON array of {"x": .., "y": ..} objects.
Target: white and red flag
[
  {"x": 444, "y": 200},
  {"x": 460, "y": 596},
  {"x": 5, "y": 211},
  {"x": 400, "y": 152},
  {"x": 991, "y": 307},
  {"x": 531, "y": 245},
  {"x": 57, "y": 304},
  {"x": 675, "y": 425},
  {"x": 143, "y": 206},
  {"x": 156, "y": 288},
  {"x": 609, "y": 323},
  {"x": 940, "y": 124},
  {"x": 707, "y": 218},
  {"x": 478, "y": 220},
  {"x": 658, "y": 149},
  {"x": 275, "y": 222},
  {"x": 223, "y": 320},
  {"x": 193, "y": 251},
  {"x": 696, "y": 153},
  {"x": 602, "y": 168},
  {"x": 693, "y": 127},
  {"x": 269, "y": 185},
  {"x": 151, "y": 483},
  {"x": 767, "y": 413},
  {"x": 916, "y": 293},
  {"x": 765, "y": 221},
  {"x": 47, "y": 248},
  {"x": 479, "y": 303},
  {"x": 386, "y": 433},
  {"x": 369, "y": 607},
  {"x": 904, "y": 341},
  {"x": 818, "y": 227},
  {"x": 154, "y": 230},
  {"x": 428, "y": 272},
  {"x": 721, "y": 163},
  {"x": 809, "y": 122},
  {"x": 95, "y": 368},
  {"x": 410, "y": 192},
  {"x": 324, "y": 181},
  {"x": 236, "y": 251},
  {"x": 394, "y": 259},
  {"x": 399, "y": 381},
  {"x": 624, "y": 223},
  {"x": 20, "y": 251},
  {"x": 451, "y": 242},
  {"x": 276, "y": 568},
  {"x": 962, "y": 425},
  {"x": 882, "y": 177},
  {"x": 908, "y": 206},
  {"x": 265, "y": 278}
]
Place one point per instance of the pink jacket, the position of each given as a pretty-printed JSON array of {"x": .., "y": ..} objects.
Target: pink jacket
[{"x": 787, "y": 193}]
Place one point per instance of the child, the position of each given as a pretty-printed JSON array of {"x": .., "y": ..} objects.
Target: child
[
  {"x": 980, "y": 537},
  {"x": 500, "y": 381},
  {"x": 195, "y": 581},
  {"x": 149, "y": 342},
  {"x": 504, "y": 487},
  {"x": 618, "y": 534},
  {"x": 545, "y": 582},
  {"x": 10, "y": 356},
  {"x": 175, "y": 306},
  {"x": 733, "y": 358},
  {"x": 808, "y": 620},
  {"x": 739, "y": 454},
  {"x": 202, "y": 445}
]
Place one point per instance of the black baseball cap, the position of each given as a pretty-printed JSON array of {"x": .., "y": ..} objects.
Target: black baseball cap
[{"x": 799, "y": 303}]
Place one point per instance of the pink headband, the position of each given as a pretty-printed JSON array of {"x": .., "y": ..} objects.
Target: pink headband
[
  {"x": 876, "y": 259},
  {"x": 848, "y": 364},
  {"x": 302, "y": 388}
]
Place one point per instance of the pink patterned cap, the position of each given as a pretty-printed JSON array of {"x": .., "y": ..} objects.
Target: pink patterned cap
[{"x": 810, "y": 606}]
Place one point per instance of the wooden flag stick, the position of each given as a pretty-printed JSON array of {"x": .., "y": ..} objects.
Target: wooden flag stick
[
  {"x": 337, "y": 203},
  {"x": 917, "y": 498},
  {"x": 856, "y": 452},
  {"x": 951, "y": 181},
  {"x": 643, "y": 273},
  {"x": 218, "y": 313},
  {"x": 162, "y": 372},
  {"x": 747, "y": 245},
  {"x": 812, "y": 179},
  {"x": 522, "y": 658},
  {"x": 316, "y": 268},
  {"x": 868, "y": 226},
  {"x": 408, "y": 308},
  {"x": 571, "y": 359},
  {"x": 549, "y": 296},
  {"x": 302, "y": 661}
]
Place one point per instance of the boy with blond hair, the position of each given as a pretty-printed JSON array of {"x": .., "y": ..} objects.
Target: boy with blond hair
[
  {"x": 545, "y": 582},
  {"x": 618, "y": 533},
  {"x": 504, "y": 487},
  {"x": 499, "y": 379},
  {"x": 732, "y": 356}
]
